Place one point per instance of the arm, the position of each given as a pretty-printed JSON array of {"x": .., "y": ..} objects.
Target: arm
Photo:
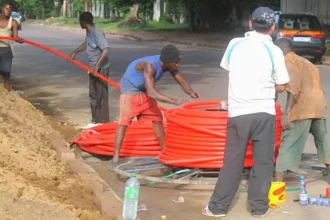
[
  {"x": 289, "y": 103},
  {"x": 149, "y": 81},
  {"x": 102, "y": 43},
  {"x": 285, "y": 120},
  {"x": 281, "y": 75},
  {"x": 82, "y": 47},
  {"x": 183, "y": 83},
  {"x": 15, "y": 30},
  {"x": 104, "y": 54},
  {"x": 293, "y": 90},
  {"x": 224, "y": 61}
]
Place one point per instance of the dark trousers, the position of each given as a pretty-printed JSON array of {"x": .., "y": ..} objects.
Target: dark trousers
[
  {"x": 99, "y": 97},
  {"x": 260, "y": 128},
  {"x": 6, "y": 60}
]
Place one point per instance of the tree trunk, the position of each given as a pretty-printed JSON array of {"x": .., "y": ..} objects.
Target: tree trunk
[
  {"x": 234, "y": 19},
  {"x": 58, "y": 7},
  {"x": 191, "y": 14},
  {"x": 134, "y": 10}
]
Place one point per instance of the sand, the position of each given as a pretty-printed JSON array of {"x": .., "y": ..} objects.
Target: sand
[{"x": 32, "y": 181}]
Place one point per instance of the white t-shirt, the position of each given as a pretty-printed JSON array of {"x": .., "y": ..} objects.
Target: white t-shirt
[{"x": 251, "y": 77}]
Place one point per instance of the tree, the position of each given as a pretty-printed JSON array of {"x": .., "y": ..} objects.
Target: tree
[
  {"x": 39, "y": 9},
  {"x": 59, "y": 4}
]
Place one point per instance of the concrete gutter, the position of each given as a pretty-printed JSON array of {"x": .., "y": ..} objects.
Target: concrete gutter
[{"x": 107, "y": 200}]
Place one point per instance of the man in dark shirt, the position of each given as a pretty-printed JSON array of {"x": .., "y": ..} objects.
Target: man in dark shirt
[{"x": 97, "y": 49}]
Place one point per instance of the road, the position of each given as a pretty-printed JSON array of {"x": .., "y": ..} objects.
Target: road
[{"x": 61, "y": 90}]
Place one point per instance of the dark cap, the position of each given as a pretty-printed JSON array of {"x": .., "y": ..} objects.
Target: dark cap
[
  {"x": 264, "y": 13},
  {"x": 170, "y": 54}
]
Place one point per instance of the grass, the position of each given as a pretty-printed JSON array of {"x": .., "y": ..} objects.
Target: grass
[{"x": 108, "y": 24}]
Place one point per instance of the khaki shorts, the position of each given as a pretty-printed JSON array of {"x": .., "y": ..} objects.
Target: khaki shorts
[{"x": 294, "y": 140}]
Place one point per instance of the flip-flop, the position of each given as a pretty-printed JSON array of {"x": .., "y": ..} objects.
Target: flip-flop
[{"x": 207, "y": 212}]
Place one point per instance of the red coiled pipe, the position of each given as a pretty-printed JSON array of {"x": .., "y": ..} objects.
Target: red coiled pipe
[
  {"x": 140, "y": 140},
  {"x": 195, "y": 137}
]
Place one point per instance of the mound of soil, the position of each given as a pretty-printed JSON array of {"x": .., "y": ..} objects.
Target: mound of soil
[{"x": 32, "y": 181}]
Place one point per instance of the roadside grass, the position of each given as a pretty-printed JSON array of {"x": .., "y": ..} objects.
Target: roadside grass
[{"x": 108, "y": 24}]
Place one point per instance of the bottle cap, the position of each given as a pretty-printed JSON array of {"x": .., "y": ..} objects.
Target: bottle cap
[
  {"x": 302, "y": 177},
  {"x": 163, "y": 217},
  {"x": 133, "y": 174}
]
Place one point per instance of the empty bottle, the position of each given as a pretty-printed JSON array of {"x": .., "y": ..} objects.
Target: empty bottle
[
  {"x": 131, "y": 198},
  {"x": 303, "y": 196}
]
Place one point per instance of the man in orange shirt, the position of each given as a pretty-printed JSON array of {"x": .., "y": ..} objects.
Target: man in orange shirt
[{"x": 305, "y": 113}]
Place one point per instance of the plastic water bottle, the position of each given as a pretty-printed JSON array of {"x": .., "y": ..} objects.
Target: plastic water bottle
[
  {"x": 303, "y": 196},
  {"x": 131, "y": 198}
]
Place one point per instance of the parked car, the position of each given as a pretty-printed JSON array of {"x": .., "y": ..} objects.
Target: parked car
[
  {"x": 304, "y": 30},
  {"x": 18, "y": 18}
]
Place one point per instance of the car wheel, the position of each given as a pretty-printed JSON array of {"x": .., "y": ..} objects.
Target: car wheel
[{"x": 318, "y": 60}]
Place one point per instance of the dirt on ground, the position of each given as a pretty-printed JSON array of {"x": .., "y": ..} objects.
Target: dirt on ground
[{"x": 32, "y": 181}]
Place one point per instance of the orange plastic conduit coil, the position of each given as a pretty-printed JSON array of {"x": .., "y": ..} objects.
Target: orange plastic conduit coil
[
  {"x": 195, "y": 137},
  {"x": 140, "y": 140}
]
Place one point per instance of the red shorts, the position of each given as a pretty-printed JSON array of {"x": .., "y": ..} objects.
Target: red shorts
[{"x": 138, "y": 105}]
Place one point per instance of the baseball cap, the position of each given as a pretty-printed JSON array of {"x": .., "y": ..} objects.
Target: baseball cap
[
  {"x": 170, "y": 54},
  {"x": 264, "y": 13}
]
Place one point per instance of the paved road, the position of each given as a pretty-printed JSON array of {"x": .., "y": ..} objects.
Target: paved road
[{"x": 61, "y": 90}]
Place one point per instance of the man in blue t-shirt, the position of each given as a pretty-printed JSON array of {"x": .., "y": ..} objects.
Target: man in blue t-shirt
[{"x": 139, "y": 96}]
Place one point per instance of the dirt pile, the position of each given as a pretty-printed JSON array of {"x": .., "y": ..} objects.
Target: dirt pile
[{"x": 32, "y": 181}]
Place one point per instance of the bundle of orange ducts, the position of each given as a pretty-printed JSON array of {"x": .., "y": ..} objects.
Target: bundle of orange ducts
[
  {"x": 195, "y": 137},
  {"x": 140, "y": 140}
]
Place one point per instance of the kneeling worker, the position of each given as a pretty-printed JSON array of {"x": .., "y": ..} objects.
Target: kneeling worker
[
  {"x": 139, "y": 96},
  {"x": 305, "y": 113}
]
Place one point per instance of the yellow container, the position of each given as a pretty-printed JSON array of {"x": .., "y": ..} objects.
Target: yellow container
[{"x": 277, "y": 194}]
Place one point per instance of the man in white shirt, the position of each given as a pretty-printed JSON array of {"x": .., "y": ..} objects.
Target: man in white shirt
[{"x": 256, "y": 72}]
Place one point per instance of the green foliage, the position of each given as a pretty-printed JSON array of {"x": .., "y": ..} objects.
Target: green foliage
[
  {"x": 78, "y": 5},
  {"x": 39, "y": 9}
]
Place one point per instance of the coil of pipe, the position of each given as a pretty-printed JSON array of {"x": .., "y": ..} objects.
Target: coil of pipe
[
  {"x": 196, "y": 136},
  {"x": 140, "y": 140}
]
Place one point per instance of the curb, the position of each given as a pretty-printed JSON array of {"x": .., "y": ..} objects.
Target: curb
[
  {"x": 107, "y": 200},
  {"x": 136, "y": 38}
]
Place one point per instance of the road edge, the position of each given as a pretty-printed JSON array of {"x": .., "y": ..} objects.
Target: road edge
[{"x": 107, "y": 200}]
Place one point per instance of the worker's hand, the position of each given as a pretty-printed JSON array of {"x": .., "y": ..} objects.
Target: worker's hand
[
  {"x": 285, "y": 120},
  {"x": 180, "y": 101},
  {"x": 20, "y": 40},
  {"x": 194, "y": 95},
  {"x": 96, "y": 69},
  {"x": 72, "y": 56}
]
